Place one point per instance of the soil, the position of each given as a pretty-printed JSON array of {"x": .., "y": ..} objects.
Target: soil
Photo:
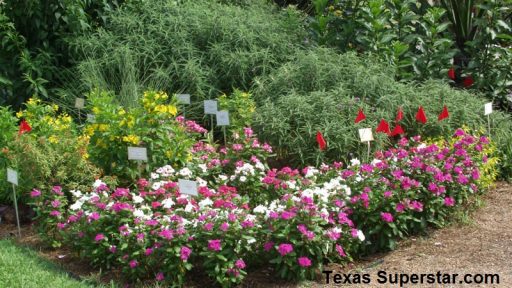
[{"x": 480, "y": 247}]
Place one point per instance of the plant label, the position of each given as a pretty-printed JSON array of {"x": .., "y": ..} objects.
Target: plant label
[
  {"x": 366, "y": 134},
  {"x": 91, "y": 118},
  {"x": 12, "y": 176},
  {"x": 79, "y": 103},
  {"x": 488, "y": 108},
  {"x": 210, "y": 106},
  {"x": 187, "y": 187},
  {"x": 183, "y": 98},
  {"x": 137, "y": 153},
  {"x": 222, "y": 118}
]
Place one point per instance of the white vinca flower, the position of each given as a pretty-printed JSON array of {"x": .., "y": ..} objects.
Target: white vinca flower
[
  {"x": 76, "y": 193},
  {"x": 185, "y": 172},
  {"x": 360, "y": 235},
  {"x": 354, "y": 162},
  {"x": 138, "y": 213},
  {"x": 76, "y": 206},
  {"x": 167, "y": 203},
  {"x": 137, "y": 199},
  {"x": 205, "y": 202},
  {"x": 312, "y": 171},
  {"x": 260, "y": 209},
  {"x": 98, "y": 183},
  {"x": 243, "y": 179},
  {"x": 203, "y": 168}
]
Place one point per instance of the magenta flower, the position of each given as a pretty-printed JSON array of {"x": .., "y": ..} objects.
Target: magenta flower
[
  {"x": 167, "y": 234},
  {"x": 224, "y": 226},
  {"x": 240, "y": 264},
  {"x": 99, "y": 237},
  {"x": 133, "y": 264},
  {"x": 55, "y": 203},
  {"x": 55, "y": 213},
  {"x": 57, "y": 190},
  {"x": 284, "y": 249},
  {"x": 148, "y": 251},
  {"x": 214, "y": 245},
  {"x": 304, "y": 262},
  {"x": 449, "y": 201},
  {"x": 160, "y": 277},
  {"x": 386, "y": 217},
  {"x": 340, "y": 250},
  {"x": 35, "y": 193},
  {"x": 94, "y": 216},
  {"x": 185, "y": 253},
  {"x": 268, "y": 246},
  {"x": 400, "y": 207},
  {"x": 112, "y": 249}
]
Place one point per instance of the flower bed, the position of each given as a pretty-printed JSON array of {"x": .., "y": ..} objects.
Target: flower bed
[{"x": 247, "y": 214}]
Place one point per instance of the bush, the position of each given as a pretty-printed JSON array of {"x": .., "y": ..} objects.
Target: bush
[
  {"x": 52, "y": 153},
  {"x": 322, "y": 91},
  {"x": 152, "y": 125},
  {"x": 204, "y": 48},
  {"x": 302, "y": 219}
]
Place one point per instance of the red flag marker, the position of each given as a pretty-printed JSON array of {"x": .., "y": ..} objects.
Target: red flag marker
[
  {"x": 383, "y": 127},
  {"x": 360, "y": 116},
  {"x": 468, "y": 81},
  {"x": 420, "y": 116},
  {"x": 399, "y": 114},
  {"x": 24, "y": 127},
  {"x": 321, "y": 141},
  {"x": 451, "y": 73},
  {"x": 444, "y": 114},
  {"x": 398, "y": 130}
]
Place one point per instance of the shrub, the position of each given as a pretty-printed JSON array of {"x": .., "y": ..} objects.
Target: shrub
[
  {"x": 322, "y": 91},
  {"x": 204, "y": 48},
  {"x": 309, "y": 216},
  {"x": 52, "y": 153},
  {"x": 151, "y": 125}
]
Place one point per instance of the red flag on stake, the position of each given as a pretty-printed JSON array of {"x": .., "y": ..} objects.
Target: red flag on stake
[
  {"x": 399, "y": 114},
  {"x": 321, "y": 141},
  {"x": 420, "y": 116},
  {"x": 451, "y": 73},
  {"x": 444, "y": 114},
  {"x": 24, "y": 127},
  {"x": 383, "y": 127},
  {"x": 468, "y": 81},
  {"x": 360, "y": 116},
  {"x": 398, "y": 130}
]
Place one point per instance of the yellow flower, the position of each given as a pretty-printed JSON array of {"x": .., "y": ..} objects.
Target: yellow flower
[
  {"x": 168, "y": 153},
  {"x": 19, "y": 114},
  {"x": 95, "y": 110},
  {"x": 53, "y": 139},
  {"x": 121, "y": 112},
  {"x": 55, "y": 107},
  {"x": 134, "y": 139},
  {"x": 89, "y": 130}
]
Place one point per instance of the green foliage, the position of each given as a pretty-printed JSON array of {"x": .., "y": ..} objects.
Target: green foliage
[
  {"x": 241, "y": 109},
  {"x": 203, "y": 48},
  {"x": 33, "y": 38},
  {"x": 51, "y": 154},
  {"x": 150, "y": 125},
  {"x": 322, "y": 91},
  {"x": 423, "y": 40}
]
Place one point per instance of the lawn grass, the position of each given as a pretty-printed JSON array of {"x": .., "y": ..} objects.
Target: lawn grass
[{"x": 22, "y": 267}]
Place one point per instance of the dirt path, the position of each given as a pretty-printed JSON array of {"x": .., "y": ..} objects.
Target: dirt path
[{"x": 482, "y": 247}]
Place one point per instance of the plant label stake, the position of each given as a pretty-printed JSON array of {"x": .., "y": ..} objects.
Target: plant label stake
[
  {"x": 488, "y": 111},
  {"x": 12, "y": 177},
  {"x": 79, "y": 104},
  {"x": 185, "y": 100},
  {"x": 210, "y": 107},
  {"x": 91, "y": 118},
  {"x": 366, "y": 135},
  {"x": 223, "y": 120},
  {"x": 138, "y": 154},
  {"x": 187, "y": 187}
]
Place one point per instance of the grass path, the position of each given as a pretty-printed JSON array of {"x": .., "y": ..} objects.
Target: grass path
[{"x": 22, "y": 268}]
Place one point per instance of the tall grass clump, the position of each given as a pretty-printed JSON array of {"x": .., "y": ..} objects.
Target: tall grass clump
[
  {"x": 198, "y": 47},
  {"x": 322, "y": 91}
]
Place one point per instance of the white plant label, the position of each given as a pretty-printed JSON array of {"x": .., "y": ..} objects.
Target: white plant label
[
  {"x": 91, "y": 118},
  {"x": 12, "y": 176},
  {"x": 488, "y": 108},
  {"x": 222, "y": 118},
  {"x": 183, "y": 98},
  {"x": 79, "y": 103},
  {"x": 187, "y": 187},
  {"x": 137, "y": 153},
  {"x": 366, "y": 134},
  {"x": 210, "y": 106}
]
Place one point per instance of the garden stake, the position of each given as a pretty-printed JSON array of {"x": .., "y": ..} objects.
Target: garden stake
[
  {"x": 489, "y": 125},
  {"x": 368, "y": 155},
  {"x": 211, "y": 123},
  {"x": 224, "y": 132},
  {"x": 16, "y": 209}
]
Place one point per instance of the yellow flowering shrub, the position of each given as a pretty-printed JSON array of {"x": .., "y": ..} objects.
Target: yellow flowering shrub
[{"x": 151, "y": 124}]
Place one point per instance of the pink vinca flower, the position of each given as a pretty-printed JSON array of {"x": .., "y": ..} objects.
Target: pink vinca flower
[{"x": 304, "y": 262}]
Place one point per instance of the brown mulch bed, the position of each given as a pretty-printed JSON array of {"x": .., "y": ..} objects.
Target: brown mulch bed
[{"x": 483, "y": 246}]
